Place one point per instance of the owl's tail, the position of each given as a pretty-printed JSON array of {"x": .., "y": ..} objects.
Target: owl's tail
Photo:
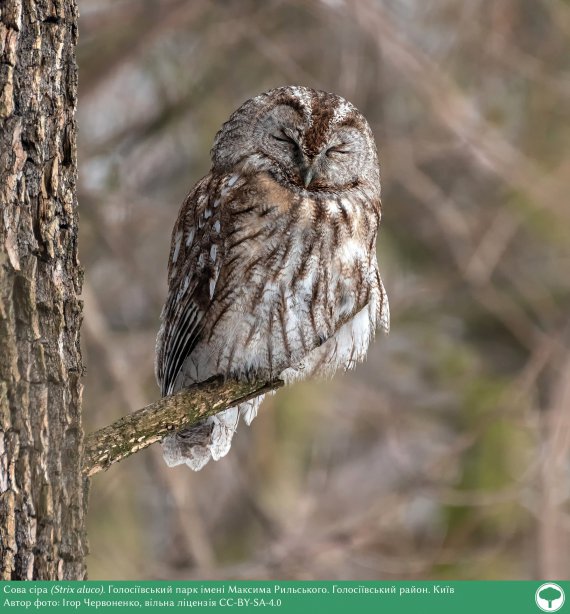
[{"x": 211, "y": 438}]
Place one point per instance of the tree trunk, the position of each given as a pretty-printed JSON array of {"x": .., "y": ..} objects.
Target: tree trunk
[{"x": 42, "y": 496}]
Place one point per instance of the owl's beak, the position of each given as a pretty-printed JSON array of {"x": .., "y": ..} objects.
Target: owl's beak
[{"x": 308, "y": 175}]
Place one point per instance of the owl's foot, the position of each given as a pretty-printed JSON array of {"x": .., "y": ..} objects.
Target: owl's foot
[{"x": 212, "y": 438}]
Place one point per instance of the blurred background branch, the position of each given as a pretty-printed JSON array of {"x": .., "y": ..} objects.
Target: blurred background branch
[{"x": 447, "y": 454}]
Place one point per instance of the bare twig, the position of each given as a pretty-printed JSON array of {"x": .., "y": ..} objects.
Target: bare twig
[
  {"x": 553, "y": 537},
  {"x": 139, "y": 430}
]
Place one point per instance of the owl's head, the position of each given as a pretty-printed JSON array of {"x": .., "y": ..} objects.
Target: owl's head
[{"x": 308, "y": 139}]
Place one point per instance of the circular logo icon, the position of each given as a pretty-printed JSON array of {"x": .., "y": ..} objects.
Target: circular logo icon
[{"x": 549, "y": 597}]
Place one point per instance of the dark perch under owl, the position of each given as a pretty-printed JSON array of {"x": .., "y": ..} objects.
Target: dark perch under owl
[{"x": 273, "y": 269}]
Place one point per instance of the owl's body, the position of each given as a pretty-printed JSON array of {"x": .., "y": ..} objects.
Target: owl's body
[{"x": 273, "y": 269}]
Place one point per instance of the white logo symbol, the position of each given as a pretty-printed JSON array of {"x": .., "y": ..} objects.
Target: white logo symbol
[{"x": 549, "y": 597}]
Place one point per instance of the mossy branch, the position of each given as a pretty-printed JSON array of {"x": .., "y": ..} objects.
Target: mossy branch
[{"x": 146, "y": 426}]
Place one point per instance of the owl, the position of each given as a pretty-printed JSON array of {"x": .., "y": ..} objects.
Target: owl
[{"x": 273, "y": 269}]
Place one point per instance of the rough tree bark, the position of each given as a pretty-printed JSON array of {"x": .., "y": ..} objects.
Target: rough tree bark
[{"x": 42, "y": 498}]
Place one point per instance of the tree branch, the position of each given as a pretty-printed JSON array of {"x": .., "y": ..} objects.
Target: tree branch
[{"x": 146, "y": 426}]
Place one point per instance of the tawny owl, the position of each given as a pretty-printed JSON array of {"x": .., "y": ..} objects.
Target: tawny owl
[{"x": 273, "y": 269}]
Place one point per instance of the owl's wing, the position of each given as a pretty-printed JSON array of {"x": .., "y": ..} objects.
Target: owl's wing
[{"x": 193, "y": 271}]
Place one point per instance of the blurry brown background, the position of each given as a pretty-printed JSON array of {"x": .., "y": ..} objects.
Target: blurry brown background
[{"x": 447, "y": 454}]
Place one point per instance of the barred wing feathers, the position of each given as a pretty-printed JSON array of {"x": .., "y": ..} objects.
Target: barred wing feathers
[{"x": 193, "y": 271}]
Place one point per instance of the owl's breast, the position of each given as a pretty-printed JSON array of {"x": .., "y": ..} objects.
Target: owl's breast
[{"x": 297, "y": 267}]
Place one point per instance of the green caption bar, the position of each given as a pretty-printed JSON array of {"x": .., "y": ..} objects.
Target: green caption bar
[{"x": 287, "y": 597}]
